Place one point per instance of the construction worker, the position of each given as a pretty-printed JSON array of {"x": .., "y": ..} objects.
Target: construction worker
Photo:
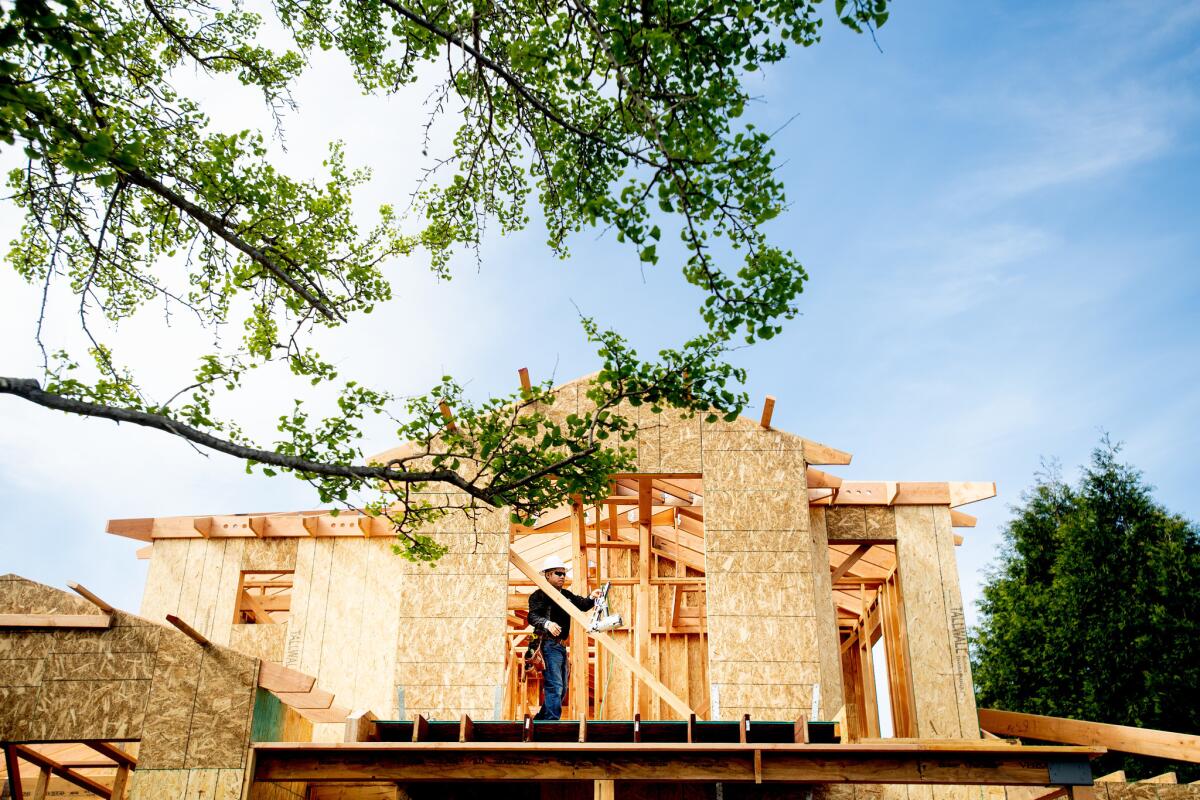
[{"x": 552, "y": 625}]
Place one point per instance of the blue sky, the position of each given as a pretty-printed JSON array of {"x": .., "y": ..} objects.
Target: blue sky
[{"x": 998, "y": 212}]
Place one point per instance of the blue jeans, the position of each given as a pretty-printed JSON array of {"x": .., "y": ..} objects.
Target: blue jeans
[{"x": 554, "y": 679}]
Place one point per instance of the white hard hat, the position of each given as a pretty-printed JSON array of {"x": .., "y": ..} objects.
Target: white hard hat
[{"x": 553, "y": 562}]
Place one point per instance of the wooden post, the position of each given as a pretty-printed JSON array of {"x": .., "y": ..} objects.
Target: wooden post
[
  {"x": 120, "y": 782},
  {"x": 526, "y": 386},
  {"x": 768, "y": 410},
  {"x": 604, "y": 790},
  {"x": 13, "y": 767},
  {"x": 43, "y": 783},
  {"x": 578, "y": 690},
  {"x": 642, "y": 634}
]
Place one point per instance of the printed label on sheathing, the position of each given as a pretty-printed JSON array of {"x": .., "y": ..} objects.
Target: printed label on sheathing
[{"x": 292, "y": 654}]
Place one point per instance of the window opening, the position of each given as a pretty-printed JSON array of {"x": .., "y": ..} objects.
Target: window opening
[{"x": 264, "y": 597}]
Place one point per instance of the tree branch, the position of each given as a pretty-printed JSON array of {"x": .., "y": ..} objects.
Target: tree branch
[{"x": 28, "y": 389}]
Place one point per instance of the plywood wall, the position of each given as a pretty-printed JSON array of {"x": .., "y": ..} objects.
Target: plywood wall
[
  {"x": 763, "y": 641},
  {"x": 936, "y": 626},
  {"x": 189, "y": 705}
]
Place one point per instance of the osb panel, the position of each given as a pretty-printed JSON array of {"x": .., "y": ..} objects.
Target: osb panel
[
  {"x": 753, "y": 671},
  {"x": 649, "y": 454},
  {"x": 124, "y": 639},
  {"x": 198, "y": 591},
  {"x": 794, "y": 559},
  {"x": 880, "y": 522},
  {"x": 679, "y": 444},
  {"x": 752, "y": 594},
  {"x": 779, "y": 695},
  {"x": 348, "y": 581},
  {"x": 763, "y": 638},
  {"x": 449, "y": 564},
  {"x": 227, "y": 578},
  {"x": 165, "y": 578},
  {"x": 269, "y": 554},
  {"x": 448, "y": 640},
  {"x": 24, "y": 644},
  {"x": 310, "y": 604},
  {"x": 21, "y": 671},
  {"x": 278, "y": 791},
  {"x": 753, "y": 541},
  {"x": 301, "y": 594},
  {"x": 956, "y": 623},
  {"x": 929, "y": 645},
  {"x": 767, "y": 510},
  {"x": 185, "y": 784},
  {"x": 753, "y": 469},
  {"x": 259, "y": 641},
  {"x": 22, "y": 596},
  {"x": 845, "y": 522},
  {"x": 158, "y": 784},
  {"x": 828, "y": 641},
  {"x": 172, "y": 698},
  {"x": 16, "y": 711},
  {"x": 375, "y": 685},
  {"x": 454, "y": 697},
  {"x": 424, "y": 596},
  {"x": 472, "y": 673},
  {"x": 89, "y": 709},
  {"x": 221, "y": 720},
  {"x": 100, "y": 666},
  {"x": 713, "y": 439}
]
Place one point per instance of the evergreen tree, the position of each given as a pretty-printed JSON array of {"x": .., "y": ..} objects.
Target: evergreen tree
[{"x": 1092, "y": 610}]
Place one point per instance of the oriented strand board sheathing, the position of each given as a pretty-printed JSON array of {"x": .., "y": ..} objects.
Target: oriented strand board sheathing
[
  {"x": 649, "y": 447},
  {"x": 260, "y": 641},
  {"x": 99, "y": 666},
  {"x": 310, "y": 601},
  {"x": 927, "y": 620},
  {"x": 21, "y": 596},
  {"x": 265, "y": 555},
  {"x": 164, "y": 579},
  {"x": 880, "y": 522},
  {"x": 768, "y": 509},
  {"x": 227, "y": 577},
  {"x": 956, "y": 623},
  {"x": 172, "y": 699},
  {"x": 186, "y": 784},
  {"x": 336, "y": 669},
  {"x": 21, "y": 671},
  {"x": 89, "y": 709},
  {"x": 224, "y": 702},
  {"x": 828, "y": 642},
  {"x": 374, "y": 685},
  {"x": 845, "y": 522},
  {"x": 16, "y": 711},
  {"x": 679, "y": 443},
  {"x": 198, "y": 594},
  {"x": 751, "y": 469}
]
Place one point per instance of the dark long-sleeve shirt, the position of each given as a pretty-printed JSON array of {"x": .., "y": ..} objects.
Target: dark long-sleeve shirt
[{"x": 542, "y": 610}]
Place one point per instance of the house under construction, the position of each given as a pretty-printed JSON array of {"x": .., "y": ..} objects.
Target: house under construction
[{"x": 784, "y": 632}]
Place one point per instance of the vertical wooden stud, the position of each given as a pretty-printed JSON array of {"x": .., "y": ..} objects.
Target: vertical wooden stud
[
  {"x": 526, "y": 386},
  {"x": 645, "y": 513},
  {"x": 578, "y": 690},
  {"x": 768, "y": 410},
  {"x": 120, "y": 782},
  {"x": 43, "y": 783},
  {"x": 13, "y": 767}
]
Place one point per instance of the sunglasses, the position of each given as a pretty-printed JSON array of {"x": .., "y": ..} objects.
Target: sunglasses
[{"x": 558, "y": 573}]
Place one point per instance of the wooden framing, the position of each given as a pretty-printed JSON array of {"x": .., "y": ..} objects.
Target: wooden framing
[
  {"x": 830, "y": 490},
  {"x": 55, "y": 621},
  {"x": 605, "y": 641},
  {"x": 49, "y": 765},
  {"x": 1121, "y": 738},
  {"x": 920, "y": 762}
]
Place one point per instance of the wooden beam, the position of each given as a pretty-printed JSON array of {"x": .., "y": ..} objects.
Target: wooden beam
[
  {"x": 144, "y": 553},
  {"x": 602, "y": 639},
  {"x": 963, "y": 492},
  {"x": 921, "y": 762},
  {"x": 120, "y": 783},
  {"x": 91, "y": 598},
  {"x": 203, "y": 526},
  {"x": 526, "y": 386},
  {"x": 141, "y": 528},
  {"x": 960, "y": 520},
  {"x": 821, "y": 480},
  {"x": 112, "y": 751},
  {"x": 1122, "y": 738},
  {"x": 258, "y": 525},
  {"x": 312, "y": 699},
  {"x": 822, "y": 454},
  {"x": 82, "y": 781},
  {"x": 864, "y": 493},
  {"x": 768, "y": 410},
  {"x": 252, "y": 604},
  {"x": 849, "y": 562},
  {"x": 191, "y": 632},
  {"x": 1166, "y": 777},
  {"x": 39, "y": 791},
  {"x": 913, "y": 493},
  {"x": 278, "y": 678},
  {"x": 642, "y": 620},
  {"x": 55, "y": 621},
  {"x": 311, "y": 524}
]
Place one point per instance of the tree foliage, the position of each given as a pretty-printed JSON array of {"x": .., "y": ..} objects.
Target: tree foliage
[
  {"x": 623, "y": 116},
  {"x": 1093, "y": 608}
]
